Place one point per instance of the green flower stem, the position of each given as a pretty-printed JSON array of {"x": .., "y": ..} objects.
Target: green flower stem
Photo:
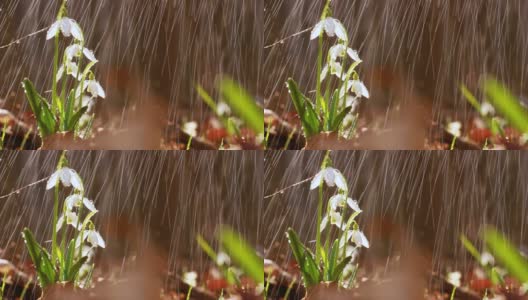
[
  {"x": 54, "y": 98},
  {"x": 318, "y": 228},
  {"x": 54, "y": 228},
  {"x": 318, "y": 99}
]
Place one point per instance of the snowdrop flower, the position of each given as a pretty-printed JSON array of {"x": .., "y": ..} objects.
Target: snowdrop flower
[
  {"x": 334, "y": 68},
  {"x": 68, "y": 177},
  {"x": 76, "y": 50},
  {"x": 336, "y": 219},
  {"x": 71, "y": 68},
  {"x": 359, "y": 88},
  {"x": 222, "y": 259},
  {"x": 93, "y": 87},
  {"x": 340, "y": 50},
  {"x": 223, "y": 109},
  {"x": 337, "y": 201},
  {"x": 71, "y": 218},
  {"x": 486, "y": 109},
  {"x": 190, "y": 278},
  {"x": 67, "y": 27},
  {"x": 332, "y": 177},
  {"x": 455, "y": 128},
  {"x": 191, "y": 128},
  {"x": 332, "y": 27},
  {"x": 486, "y": 259},
  {"x": 454, "y": 278},
  {"x": 73, "y": 201},
  {"x": 354, "y": 205},
  {"x": 357, "y": 237},
  {"x": 94, "y": 238}
]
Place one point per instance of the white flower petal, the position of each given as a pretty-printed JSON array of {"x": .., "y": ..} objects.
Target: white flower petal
[
  {"x": 76, "y": 30},
  {"x": 65, "y": 27},
  {"x": 329, "y": 176},
  {"x": 340, "y": 30},
  {"x": 317, "y": 30},
  {"x": 53, "y": 180},
  {"x": 89, "y": 204},
  {"x": 76, "y": 180},
  {"x": 73, "y": 201},
  {"x": 53, "y": 30},
  {"x": 95, "y": 239},
  {"x": 60, "y": 73},
  {"x": 337, "y": 201},
  {"x": 324, "y": 72},
  {"x": 353, "y": 204},
  {"x": 324, "y": 223},
  {"x": 65, "y": 176},
  {"x": 73, "y": 51},
  {"x": 340, "y": 180},
  {"x": 89, "y": 55},
  {"x": 60, "y": 222},
  {"x": 353, "y": 55},
  {"x": 329, "y": 27},
  {"x": 317, "y": 180}
]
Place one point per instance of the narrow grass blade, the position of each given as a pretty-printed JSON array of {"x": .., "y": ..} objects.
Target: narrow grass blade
[
  {"x": 243, "y": 105},
  {"x": 243, "y": 254}
]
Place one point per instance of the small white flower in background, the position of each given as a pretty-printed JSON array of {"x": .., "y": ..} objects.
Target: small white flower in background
[
  {"x": 67, "y": 27},
  {"x": 222, "y": 259},
  {"x": 332, "y": 27},
  {"x": 486, "y": 109},
  {"x": 332, "y": 177},
  {"x": 68, "y": 177},
  {"x": 190, "y": 278},
  {"x": 454, "y": 278},
  {"x": 455, "y": 128},
  {"x": 486, "y": 259},
  {"x": 524, "y": 139},
  {"x": 191, "y": 128},
  {"x": 223, "y": 109}
]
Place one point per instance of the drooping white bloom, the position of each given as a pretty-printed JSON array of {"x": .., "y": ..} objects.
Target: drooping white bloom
[
  {"x": 486, "y": 259},
  {"x": 70, "y": 218},
  {"x": 76, "y": 50},
  {"x": 340, "y": 50},
  {"x": 337, "y": 201},
  {"x": 93, "y": 87},
  {"x": 359, "y": 88},
  {"x": 94, "y": 238},
  {"x": 191, "y": 128},
  {"x": 190, "y": 278},
  {"x": 486, "y": 109},
  {"x": 332, "y": 177},
  {"x": 223, "y": 109},
  {"x": 332, "y": 27},
  {"x": 455, "y": 128},
  {"x": 68, "y": 177},
  {"x": 71, "y": 68},
  {"x": 357, "y": 237},
  {"x": 454, "y": 278},
  {"x": 336, "y": 219},
  {"x": 68, "y": 27},
  {"x": 222, "y": 259},
  {"x": 333, "y": 68}
]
